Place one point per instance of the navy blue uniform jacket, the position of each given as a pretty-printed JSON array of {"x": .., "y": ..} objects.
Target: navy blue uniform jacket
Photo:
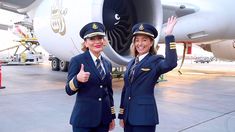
[
  {"x": 137, "y": 101},
  {"x": 94, "y": 98}
]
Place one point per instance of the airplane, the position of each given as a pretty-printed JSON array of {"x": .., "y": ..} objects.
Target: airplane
[
  {"x": 56, "y": 23},
  {"x": 204, "y": 23}
]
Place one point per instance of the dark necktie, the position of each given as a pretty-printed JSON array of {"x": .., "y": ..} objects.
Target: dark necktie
[
  {"x": 100, "y": 69},
  {"x": 132, "y": 70}
]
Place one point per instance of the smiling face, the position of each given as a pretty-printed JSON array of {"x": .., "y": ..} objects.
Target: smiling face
[
  {"x": 95, "y": 44},
  {"x": 142, "y": 43}
]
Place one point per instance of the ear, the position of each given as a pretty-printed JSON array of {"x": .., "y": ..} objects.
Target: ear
[{"x": 85, "y": 44}]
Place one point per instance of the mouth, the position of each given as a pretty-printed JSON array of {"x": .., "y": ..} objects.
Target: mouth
[
  {"x": 140, "y": 47},
  {"x": 98, "y": 46}
]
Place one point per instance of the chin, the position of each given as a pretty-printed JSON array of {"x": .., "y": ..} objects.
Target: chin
[
  {"x": 140, "y": 51},
  {"x": 99, "y": 50}
]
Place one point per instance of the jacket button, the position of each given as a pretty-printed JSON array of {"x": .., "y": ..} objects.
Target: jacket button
[
  {"x": 100, "y": 99},
  {"x": 101, "y": 86},
  {"x": 129, "y": 98}
]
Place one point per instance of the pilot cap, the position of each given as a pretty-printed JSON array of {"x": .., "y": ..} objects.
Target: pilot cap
[
  {"x": 144, "y": 28},
  {"x": 92, "y": 29}
]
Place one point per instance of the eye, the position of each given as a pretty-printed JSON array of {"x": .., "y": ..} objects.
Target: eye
[
  {"x": 92, "y": 38},
  {"x": 100, "y": 37},
  {"x": 137, "y": 40}
]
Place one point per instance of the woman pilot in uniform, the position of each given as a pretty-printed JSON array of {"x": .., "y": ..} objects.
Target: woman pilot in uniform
[
  {"x": 89, "y": 77},
  {"x": 138, "y": 110}
]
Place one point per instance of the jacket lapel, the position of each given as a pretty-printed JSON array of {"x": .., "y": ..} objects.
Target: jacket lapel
[
  {"x": 138, "y": 67},
  {"x": 129, "y": 67},
  {"x": 91, "y": 64},
  {"x": 105, "y": 63},
  {"x": 126, "y": 74}
]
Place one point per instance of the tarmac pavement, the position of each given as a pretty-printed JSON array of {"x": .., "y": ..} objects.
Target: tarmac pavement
[{"x": 200, "y": 100}]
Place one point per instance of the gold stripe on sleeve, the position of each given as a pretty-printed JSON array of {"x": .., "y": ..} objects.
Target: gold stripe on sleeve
[
  {"x": 121, "y": 111},
  {"x": 172, "y": 45},
  {"x": 72, "y": 86},
  {"x": 112, "y": 110}
]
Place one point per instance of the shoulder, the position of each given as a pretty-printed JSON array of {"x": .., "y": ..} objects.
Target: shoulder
[
  {"x": 159, "y": 56},
  {"x": 106, "y": 60},
  {"x": 156, "y": 58},
  {"x": 77, "y": 58},
  {"x": 131, "y": 61}
]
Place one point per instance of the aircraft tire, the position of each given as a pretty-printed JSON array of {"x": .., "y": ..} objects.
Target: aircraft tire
[
  {"x": 55, "y": 64},
  {"x": 64, "y": 66}
]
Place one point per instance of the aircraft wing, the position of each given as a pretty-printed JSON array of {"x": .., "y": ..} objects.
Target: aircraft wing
[
  {"x": 177, "y": 9},
  {"x": 15, "y": 5},
  {"x": 5, "y": 27},
  {"x": 200, "y": 21},
  {"x": 204, "y": 23}
]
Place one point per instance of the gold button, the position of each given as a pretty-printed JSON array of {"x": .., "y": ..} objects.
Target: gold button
[
  {"x": 129, "y": 98},
  {"x": 100, "y": 99},
  {"x": 101, "y": 86}
]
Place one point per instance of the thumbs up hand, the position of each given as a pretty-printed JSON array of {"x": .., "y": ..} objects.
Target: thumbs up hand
[{"x": 83, "y": 76}]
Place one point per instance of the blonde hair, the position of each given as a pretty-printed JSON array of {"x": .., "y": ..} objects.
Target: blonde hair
[
  {"x": 134, "y": 52},
  {"x": 84, "y": 48}
]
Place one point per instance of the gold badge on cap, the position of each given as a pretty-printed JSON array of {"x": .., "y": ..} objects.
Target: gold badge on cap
[
  {"x": 94, "y": 26},
  {"x": 141, "y": 27}
]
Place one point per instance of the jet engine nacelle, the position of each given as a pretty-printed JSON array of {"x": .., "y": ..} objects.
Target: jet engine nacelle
[
  {"x": 224, "y": 49},
  {"x": 57, "y": 24}
]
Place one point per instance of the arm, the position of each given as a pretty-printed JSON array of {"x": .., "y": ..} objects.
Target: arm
[
  {"x": 170, "y": 60},
  {"x": 112, "y": 124},
  {"x": 72, "y": 85},
  {"x": 111, "y": 92},
  {"x": 121, "y": 111}
]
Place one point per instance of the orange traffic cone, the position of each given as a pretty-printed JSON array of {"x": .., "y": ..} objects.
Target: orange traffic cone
[{"x": 1, "y": 87}]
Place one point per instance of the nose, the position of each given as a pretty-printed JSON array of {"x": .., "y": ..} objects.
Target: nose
[
  {"x": 139, "y": 42},
  {"x": 97, "y": 40}
]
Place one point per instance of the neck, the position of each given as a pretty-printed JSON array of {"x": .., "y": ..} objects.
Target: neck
[{"x": 96, "y": 54}]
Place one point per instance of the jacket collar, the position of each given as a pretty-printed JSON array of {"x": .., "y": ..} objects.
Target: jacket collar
[
  {"x": 92, "y": 65},
  {"x": 138, "y": 66}
]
